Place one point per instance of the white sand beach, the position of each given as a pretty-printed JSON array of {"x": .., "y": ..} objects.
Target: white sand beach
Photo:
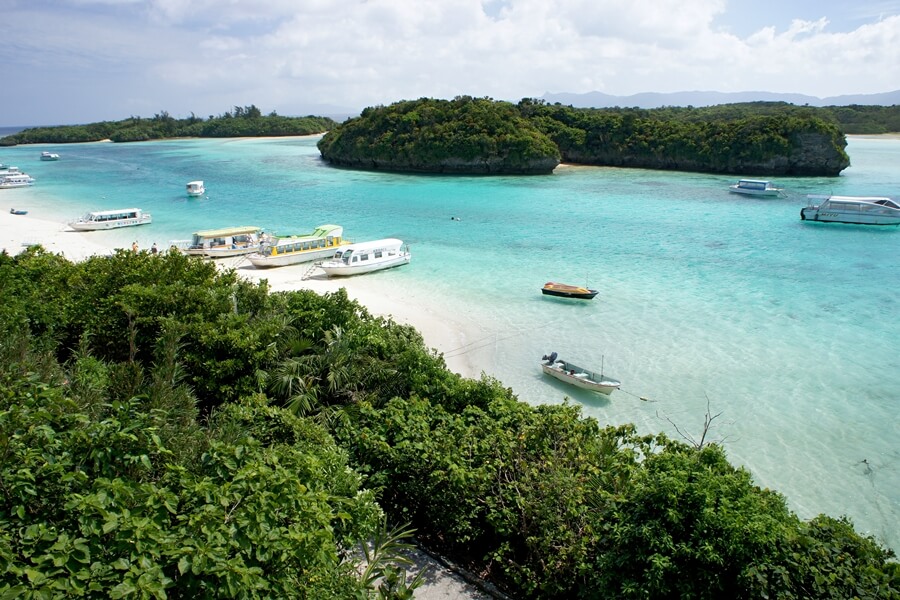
[{"x": 440, "y": 330}]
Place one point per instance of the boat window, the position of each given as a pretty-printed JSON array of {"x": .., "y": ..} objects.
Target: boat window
[
  {"x": 354, "y": 259},
  {"x": 364, "y": 257},
  {"x": 378, "y": 254}
]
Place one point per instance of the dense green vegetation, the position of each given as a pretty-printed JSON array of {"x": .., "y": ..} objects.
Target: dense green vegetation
[
  {"x": 241, "y": 122},
  {"x": 860, "y": 119},
  {"x": 484, "y": 136},
  {"x": 771, "y": 138},
  {"x": 167, "y": 430},
  {"x": 463, "y": 135}
]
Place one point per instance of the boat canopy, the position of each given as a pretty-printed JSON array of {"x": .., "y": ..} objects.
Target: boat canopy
[
  {"x": 880, "y": 200},
  {"x": 227, "y": 232},
  {"x": 759, "y": 185},
  {"x": 385, "y": 244},
  {"x": 109, "y": 215}
]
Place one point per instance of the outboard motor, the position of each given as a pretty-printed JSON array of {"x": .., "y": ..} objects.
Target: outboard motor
[{"x": 551, "y": 358}]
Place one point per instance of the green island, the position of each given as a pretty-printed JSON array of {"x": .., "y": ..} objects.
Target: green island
[
  {"x": 241, "y": 121},
  {"x": 168, "y": 429},
  {"x": 481, "y": 136}
]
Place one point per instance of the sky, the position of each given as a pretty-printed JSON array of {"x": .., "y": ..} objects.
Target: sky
[{"x": 82, "y": 61}]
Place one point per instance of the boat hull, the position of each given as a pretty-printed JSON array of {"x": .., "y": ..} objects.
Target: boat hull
[
  {"x": 9, "y": 186},
  {"x": 102, "y": 226},
  {"x": 261, "y": 261},
  {"x": 770, "y": 193},
  {"x": 221, "y": 252},
  {"x": 851, "y": 218},
  {"x": 339, "y": 269},
  {"x": 562, "y": 290},
  {"x": 580, "y": 378},
  {"x": 563, "y": 294}
]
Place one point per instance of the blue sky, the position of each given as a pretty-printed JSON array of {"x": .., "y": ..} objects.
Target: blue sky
[{"x": 80, "y": 61}]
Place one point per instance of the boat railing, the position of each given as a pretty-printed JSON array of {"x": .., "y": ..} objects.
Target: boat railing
[{"x": 180, "y": 244}]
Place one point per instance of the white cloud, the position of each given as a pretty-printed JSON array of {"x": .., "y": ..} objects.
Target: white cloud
[{"x": 208, "y": 55}]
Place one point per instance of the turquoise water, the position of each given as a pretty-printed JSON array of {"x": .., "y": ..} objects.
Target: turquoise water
[{"x": 788, "y": 330}]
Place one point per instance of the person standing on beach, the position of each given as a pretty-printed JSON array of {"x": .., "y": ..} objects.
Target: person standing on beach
[
  {"x": 154, "y": 249},
  {"x": 134, "y": 246}
]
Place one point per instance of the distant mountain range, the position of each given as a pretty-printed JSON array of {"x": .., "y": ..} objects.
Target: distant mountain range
[{"x": 656, "y": 100}]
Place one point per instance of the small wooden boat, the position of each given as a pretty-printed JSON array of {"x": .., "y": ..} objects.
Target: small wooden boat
[
  {"x": 563, "y": 290},
  {"x": 577, "y": 376}
]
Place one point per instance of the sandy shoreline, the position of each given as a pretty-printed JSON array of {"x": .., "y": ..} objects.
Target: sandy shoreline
[{"x": 440, "y": 331}]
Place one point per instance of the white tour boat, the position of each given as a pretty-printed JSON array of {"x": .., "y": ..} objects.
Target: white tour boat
[
  {"x": 366, "y": 257},
  {"x": 755, "y": 187},
  {"x": 575, "y": 375},
  {"x": 49, "y": 156},
  {"x": 195, "y": 188},
  {"x": 858, "y": 210},
  {"x": 291, "y": 250},
  {"x": 111, "y": 219},
  {"x": 15, "y": 180},
  {"x": 222, "y": 243}
]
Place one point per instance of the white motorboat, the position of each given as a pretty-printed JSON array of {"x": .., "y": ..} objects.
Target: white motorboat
[
  {"x": 49, "y": 156},
  {"x": 295, "y": 249},
  {"x": 222, "y": 243},
  {"x": 15, "y": 180},
  {"x": 195, "y": 188},
  {"x": 366, "y": 257},
  {"x": 111, "y": 219},
  {"x": 755, "y": 187},
  {"x": 577, "y": 376},
  {"x": 858, "y": 210}
]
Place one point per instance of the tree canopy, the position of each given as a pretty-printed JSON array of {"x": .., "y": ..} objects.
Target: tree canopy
[
  {"x": 169, "y": 430},
  {"x": 242, "y": 121},
  {"x": 483, "y": 136}
]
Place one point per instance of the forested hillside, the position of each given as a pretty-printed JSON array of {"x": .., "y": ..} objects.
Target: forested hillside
[
  {"x": 483, "y": 136},
  {"x": 169, "y": 430}
]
